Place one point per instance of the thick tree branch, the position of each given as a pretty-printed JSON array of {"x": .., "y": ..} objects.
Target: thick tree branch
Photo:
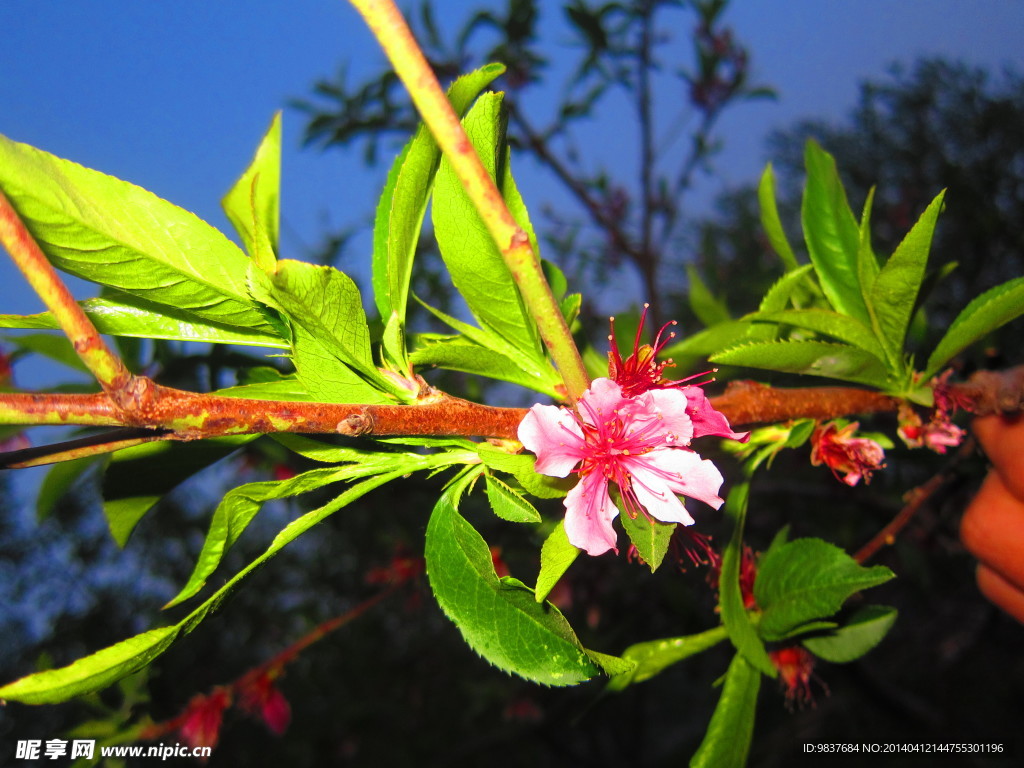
[{"x": 180, "y": 415}]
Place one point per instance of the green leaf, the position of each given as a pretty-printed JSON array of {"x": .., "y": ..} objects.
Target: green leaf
[
  {"x": 56, "y": 347},
  {"x": 237, "y": 509},
  {"x": 831, "y": 233},
  {"x": 708, "y": 309},
  {"x": 649, "y": 536},
  {"x": 735, "y": 617},
  {"x": 133, "y": 317},
  {"x": 772, "y": 223},
  {"x": 828, "y": 323},
  {"x": 331, "y": 339},
  {"x": 806, "y": 580},
  {"x": 92, "y": 672},
  {"x": 859, "y": 634},
  {"x": 253, "y": 203},
  {"x": 461, "y": 354},
  {"x": 815, "y": 358},
  {"x": 655, "y": 656},
  {"x": 867, "y": 261},
  {"x": 994, "y": 308},
  {"x": 539, "y": 372},
  {"x": 726, "y": 743},
  {"x": 287, "y": 388},
  {"x": 701, "y": 345},
  {"x": 113, "y": 233},
  {"x": 136, "y": 478},
  {"x": 781, "y": 293},
  {"x": 896, "y": 287},
  {"x": 476, "y": 266},
  {"x": 521, "y": 467},
  {"x": 509, "y": 505},
  {"x": 499, "y": 619},
  {"x": 109, "y": 665},
  {"x": 59, "y": 481},
  {"x": 404, "y": 200},
  {"x": 556, "y": 555}
]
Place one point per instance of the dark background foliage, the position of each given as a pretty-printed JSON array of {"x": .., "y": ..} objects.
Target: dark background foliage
[{"x": 399, "y": 686}]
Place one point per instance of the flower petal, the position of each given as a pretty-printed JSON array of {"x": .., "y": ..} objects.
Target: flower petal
[
  {"x": 706, "y": 420},
  {"x": 589, "y": 512},
  {"x": 600, "y": 403},
  {"x": 682, "y": 471},
  {"x": 670, "y": 407},
  {"x": 553, "y": 434}
]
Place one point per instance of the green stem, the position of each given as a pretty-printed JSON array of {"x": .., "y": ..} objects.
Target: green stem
[{"x": 395, "y": 37}]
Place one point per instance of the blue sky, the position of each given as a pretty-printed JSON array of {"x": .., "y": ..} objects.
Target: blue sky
[{"x": 174, "y": 96}]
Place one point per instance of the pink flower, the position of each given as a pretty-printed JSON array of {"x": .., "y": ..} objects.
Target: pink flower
[
  {"x": 262, "y": 698},
  {"x": 641, "y": 372},
  {"x": 200, "y": 726},
  {"x": 840, "y": 451},
  {"x": 637, "y": 443}
]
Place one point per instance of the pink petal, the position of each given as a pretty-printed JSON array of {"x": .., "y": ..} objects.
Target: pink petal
[
  {"x": 683, "y": 471},
  {"x": 600, "y": 403},
  {"x": 589, "y": 512},
  {"x": 706, "y": 420},
  {"x": 553, "y": 434},
  {"x": 669, "y": 405}
]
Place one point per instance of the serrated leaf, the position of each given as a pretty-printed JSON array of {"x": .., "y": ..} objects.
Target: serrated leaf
[
  {"x": 701, "y": 345},
  {"x": 831, "y": 233},
  {"x": 726, "y": 743},
  {"x": 509, "y": 505},
  {"x": 234, "y": 513},
  {"x": 655, "y": 656},
  {"x": 285, "y": 389},
  {"x": 113, "y": 233},
  {"x": 865, "y": 629},
  {"x": 813, "y": 358},
  {"x": 779, "y": 295},
  {"x": 993, "y": 309},
  {"x": 253, "y": 203},
  {"x": 130, "y": 316},
  {"x": 404, "y": 201},
  {"x": 771, "y": 222},
  {"x": 649, "y": 536},
  {"x": 501, "y": 622},
  {"x": 325, "y": 377},
  {"x": 521, "y": 467},
  {"x": 556, "y": 555},
  {"x": 828, "y": 323},
  {"x": 895, "y": 289},
  {"x": 136, "y": 478},
  {"x": 806, "y": 580},
  {"x": 473, "y": 260}
]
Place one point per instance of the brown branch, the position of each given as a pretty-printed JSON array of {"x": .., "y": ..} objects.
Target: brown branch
[{"x": 184, "y": 415}]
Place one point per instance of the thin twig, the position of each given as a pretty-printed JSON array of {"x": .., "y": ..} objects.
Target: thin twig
[{"x": 916, "y": 499}]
